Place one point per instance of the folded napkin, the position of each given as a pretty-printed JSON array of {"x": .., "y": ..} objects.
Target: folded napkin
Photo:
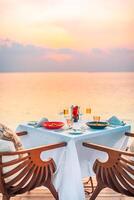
[
  {"x": 115, "y": 121},
  {"x": 8, "y": 134},
  {"x": 39, "y": 123}
]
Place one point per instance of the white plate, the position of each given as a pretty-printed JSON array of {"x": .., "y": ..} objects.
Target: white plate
[
  {"x": 76, "y": 132},
  {"x": 32, "y": 123}
]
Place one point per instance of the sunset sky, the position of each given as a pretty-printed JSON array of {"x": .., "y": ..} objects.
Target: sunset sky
[{"x": 66, "y": 35}]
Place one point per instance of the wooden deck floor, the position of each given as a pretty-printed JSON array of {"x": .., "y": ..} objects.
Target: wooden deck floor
[{"x": 44, "y": 194}]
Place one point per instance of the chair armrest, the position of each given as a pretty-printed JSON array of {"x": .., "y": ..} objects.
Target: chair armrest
[
  {"x": 49, "y": 147},
  {"x": 129, "y": 134},
  {"x": 37, "y": 149},
  {"x": 105, "y": 149},
  {"x": 96, "y": 146},
  {"x": 22, "y": 133}
]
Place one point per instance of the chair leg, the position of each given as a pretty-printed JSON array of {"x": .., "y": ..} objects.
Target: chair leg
[
  {"x": 52, "y": 189},
  {"x": 87, "y": 186},
  {"x": 5, "y": 197},
  {"x": 97, "y": 190}
]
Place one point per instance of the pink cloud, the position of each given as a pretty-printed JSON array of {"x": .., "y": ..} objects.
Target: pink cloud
[
  {"x": 57, "y": 57},
  {"x": 19, "y": 57}
]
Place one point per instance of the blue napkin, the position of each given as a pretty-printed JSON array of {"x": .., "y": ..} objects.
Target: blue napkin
[
  {"x": 115, "y": 121},
  {"x": 39, "y": 123}
]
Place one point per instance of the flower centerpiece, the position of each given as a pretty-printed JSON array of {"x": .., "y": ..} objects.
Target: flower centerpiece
[{"x": 75, "y": 113}]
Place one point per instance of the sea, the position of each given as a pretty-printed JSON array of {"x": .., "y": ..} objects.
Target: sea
[{"x": 31, "y": 96}]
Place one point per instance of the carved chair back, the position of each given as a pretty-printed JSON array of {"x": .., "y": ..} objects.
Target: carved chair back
[
  {"x": 25, "y": 171},
  {"x": 116, "y": 173}
]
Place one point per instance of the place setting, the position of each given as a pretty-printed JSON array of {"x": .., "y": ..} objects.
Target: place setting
[
  {"x": 73, "y": 120},
  {"x": 76, "y": 121},
  {"x": 67, "y": 124},
  {"x": 45, "y": 123}
]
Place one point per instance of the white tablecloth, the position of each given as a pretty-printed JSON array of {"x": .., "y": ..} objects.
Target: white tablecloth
[{"x": 73, "y": 161}]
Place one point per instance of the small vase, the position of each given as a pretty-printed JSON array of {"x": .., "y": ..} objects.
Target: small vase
[
  {"x": 76, "y": 118},
  {"x": 75, "y": 113}
]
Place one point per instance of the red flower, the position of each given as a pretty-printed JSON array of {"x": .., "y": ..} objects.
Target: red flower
[{"x": 75, "y": 111}]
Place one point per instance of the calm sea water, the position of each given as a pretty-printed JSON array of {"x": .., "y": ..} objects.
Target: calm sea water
[{"x": 31, "y": 96}]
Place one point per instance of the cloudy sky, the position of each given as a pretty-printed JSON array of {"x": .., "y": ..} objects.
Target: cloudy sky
[{"x": 66, "y": 35}]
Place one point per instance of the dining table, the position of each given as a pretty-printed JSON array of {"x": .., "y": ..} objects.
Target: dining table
[{"x": 74, "y": 162}]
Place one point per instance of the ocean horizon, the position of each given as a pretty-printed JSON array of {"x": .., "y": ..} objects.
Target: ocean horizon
[{"x": 33, "y": 95}]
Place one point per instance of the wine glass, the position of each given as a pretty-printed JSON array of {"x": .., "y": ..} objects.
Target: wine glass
[
  {"x": 96, "y": 118},
  {"x": 65, "y": 112},
  {"x": 88, "y": 112},
  {"x": 69, "y": 122}
]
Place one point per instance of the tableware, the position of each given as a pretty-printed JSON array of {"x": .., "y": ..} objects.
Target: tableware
[
  {"x": 76, "y": 132},
  {"x": 32, "y": 123},
  {"x": 69, "y": 122},
  {"x": 97, "y": 125},
  {"x": 65, "y": 111},
  {"x": 96, "y": 118},
  {"x": 87, "y": 112},
  {"x": 53, "y": 125}
]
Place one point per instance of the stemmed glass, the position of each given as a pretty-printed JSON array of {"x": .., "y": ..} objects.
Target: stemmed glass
[
  {"x": 88, "y": 112},
  {"x": 67, "y": 116},
  {"x": 96, "y": 118},
  {"x": 69, "y": 123},
  {"x": 65, "y": 112}
]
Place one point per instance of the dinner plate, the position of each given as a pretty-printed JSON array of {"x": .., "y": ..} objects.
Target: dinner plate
[
  {"x": 97, "y": 125},
  {"x": 32, "y": 123},
  {"x": 75, "y": 132},
  {"x": 53, "y": 125}
]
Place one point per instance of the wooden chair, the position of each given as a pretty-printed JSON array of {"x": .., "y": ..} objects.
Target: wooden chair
[
  {"x": 28, "y": 171},
  {"x": 116, "y": 173},
  {"x": 88, "y": 186}
]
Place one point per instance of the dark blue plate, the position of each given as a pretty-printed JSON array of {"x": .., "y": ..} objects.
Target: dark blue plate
[{"x": 97, "y": 125}]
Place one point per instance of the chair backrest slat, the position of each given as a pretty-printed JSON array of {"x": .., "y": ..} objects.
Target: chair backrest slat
[
  {"x": 27, "y": 171},
  {"x": 116, "y": 173}
]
